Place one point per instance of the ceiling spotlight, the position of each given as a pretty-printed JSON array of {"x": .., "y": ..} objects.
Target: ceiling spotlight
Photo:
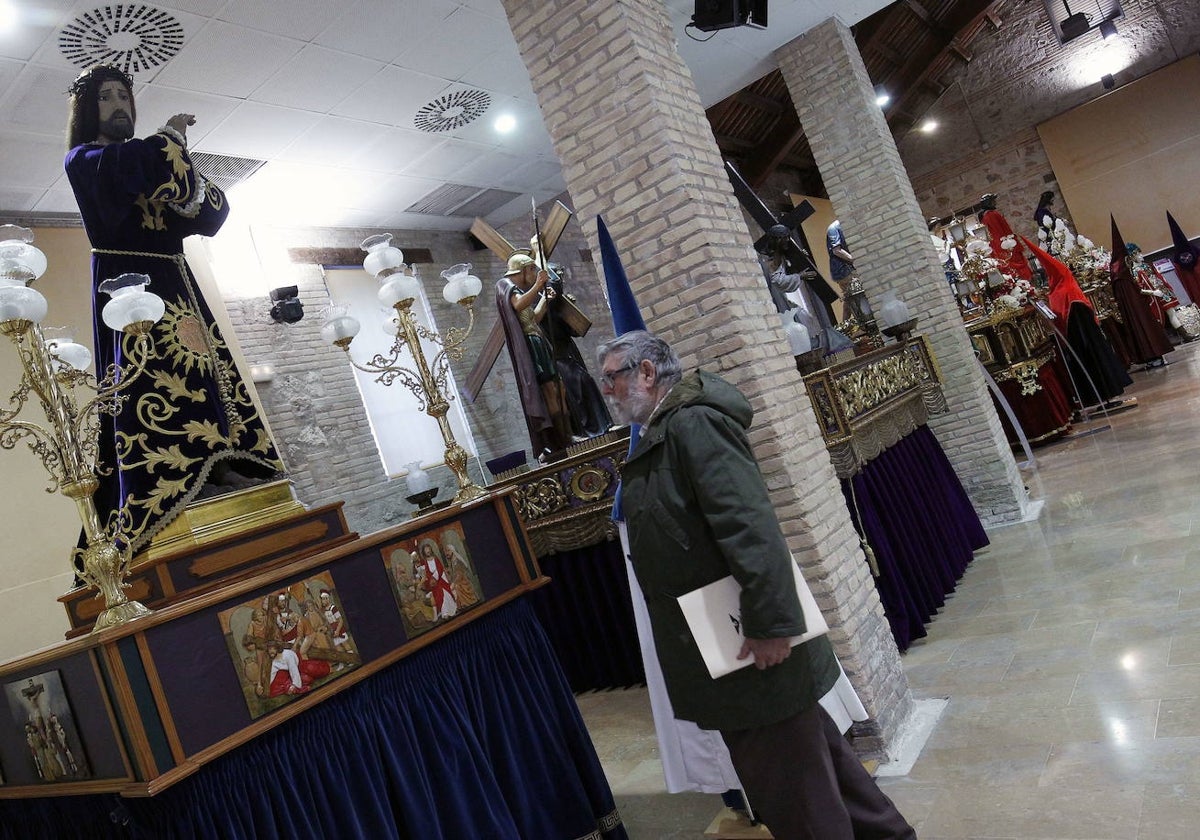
[
  {"x": 1108, "y": 29},
  {"x": 504, "y": 123},
  {"x": 882, "y": 98},
  {"x": 8, "y": 16},
  {"x": 929, "y": 126},
  {"x": 1108, "y": 81}
]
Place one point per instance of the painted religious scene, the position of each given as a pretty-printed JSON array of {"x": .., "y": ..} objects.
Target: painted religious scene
[
  {"x": 432, "y": 577},
  {"x": 287, "y": 643},
  {"x": 39, "y": 707}
]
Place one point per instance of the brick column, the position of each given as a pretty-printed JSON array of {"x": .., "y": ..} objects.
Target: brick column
[
  {"x": 636, "y": 147},
  {"x": 874, "y": 200}
]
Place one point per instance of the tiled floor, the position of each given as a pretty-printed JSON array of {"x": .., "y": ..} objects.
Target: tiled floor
[{"x": 1070, "y": 654}]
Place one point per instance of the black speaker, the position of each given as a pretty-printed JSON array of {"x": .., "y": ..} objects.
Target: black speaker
[
  {"x": 287, "y": 308},
  {"x": 711, "y": 15}
]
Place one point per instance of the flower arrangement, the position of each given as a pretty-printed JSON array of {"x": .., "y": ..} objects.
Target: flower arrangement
[{"x": 1088, "y": 261}]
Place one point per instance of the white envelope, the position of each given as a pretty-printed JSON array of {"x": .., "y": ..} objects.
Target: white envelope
[{"x": 714, "y": 613}]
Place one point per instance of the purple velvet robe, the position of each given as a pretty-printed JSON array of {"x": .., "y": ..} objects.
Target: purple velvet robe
[{"x": 190, "y": 410}]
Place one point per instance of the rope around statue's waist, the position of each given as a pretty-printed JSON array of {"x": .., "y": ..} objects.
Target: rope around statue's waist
[{"x": 175, "y": 257}]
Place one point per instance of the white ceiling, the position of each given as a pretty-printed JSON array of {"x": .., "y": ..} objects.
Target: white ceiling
[{"x": 326, "y": 92}]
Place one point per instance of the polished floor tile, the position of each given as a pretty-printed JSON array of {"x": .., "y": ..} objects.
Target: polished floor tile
[{"x": 1070, "y": 655}]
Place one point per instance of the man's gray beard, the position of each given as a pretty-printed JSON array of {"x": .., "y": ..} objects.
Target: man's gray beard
[{"x": 636, "y": 408}]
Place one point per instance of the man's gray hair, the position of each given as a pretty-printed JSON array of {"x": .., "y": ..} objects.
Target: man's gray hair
[{"x": 638, "y": 345}]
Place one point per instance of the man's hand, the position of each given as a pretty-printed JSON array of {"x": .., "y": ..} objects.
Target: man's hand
[
  {"x": 767, "y": 652},
  {"x": 180, "y": 122}
]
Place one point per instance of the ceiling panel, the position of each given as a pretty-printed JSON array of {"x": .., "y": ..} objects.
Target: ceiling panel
[
  {"x": 451, "y": 47},
  {"x": 37, "y": 101},
  {"x": 450, "y": 159},
  {"x": 59, "y": 200},
  {"x": 316, "y": 79},
  {"x": 16, "y": 200},
  {"x": 30, "y": 160},
  {"x": 35, "y": 23},
  {"x": 228, "y": 60},
  {"x": 301, "y": 19},
  {"x": 334, "y": 140},
  {"x": 258, "y": 131},
  {"x": 394, "y": 150},
  {"x": 157, "y": 104},
  {"x": 392, "y": 96},
  {"x": 384, "y": 29}
]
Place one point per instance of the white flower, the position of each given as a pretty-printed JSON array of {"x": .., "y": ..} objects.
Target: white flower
[
  {"x": 978, "y": 247},
  {"x": 1041, "y": 234},
  {"x": 1060, "y": 225},
  {"x": 1008, "y": 243}
]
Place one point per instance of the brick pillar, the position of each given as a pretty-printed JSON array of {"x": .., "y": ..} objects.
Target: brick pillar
[
  {"x": 874, "y": 200},
  {"x": 636, "y": 147}
]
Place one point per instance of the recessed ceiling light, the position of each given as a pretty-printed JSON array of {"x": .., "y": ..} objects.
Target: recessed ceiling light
[
  {"x": 929, "y": 126},
  {"x": 882, "y": 99},
  {"x": 8, "y": 16},
  {"x": 505, "y": 123}
]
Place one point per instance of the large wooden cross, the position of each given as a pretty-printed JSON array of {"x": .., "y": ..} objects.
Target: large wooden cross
[{"x": 550, "y": 232}]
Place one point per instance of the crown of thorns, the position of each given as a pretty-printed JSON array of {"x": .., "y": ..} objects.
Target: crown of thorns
[{"x": 105, "y": 72}]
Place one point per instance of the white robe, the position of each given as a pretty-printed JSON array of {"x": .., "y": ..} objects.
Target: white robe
[{"x": 695, "y": 759}]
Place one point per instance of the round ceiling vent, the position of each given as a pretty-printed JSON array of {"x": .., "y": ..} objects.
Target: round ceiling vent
[
  {"x": 131, "y": 36},
  {"x": 454, "y": 110}
]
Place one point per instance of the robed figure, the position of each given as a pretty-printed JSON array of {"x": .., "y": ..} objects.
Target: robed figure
[
  {"x": 189, "y": 415},
  {"x": 1098, "y": 375},
  {"x": 1012, "y": 261},
  {"x": 1142, "y": 333},
  {"x": 1185, "y": 256},
  {"x": 585, "y": 404}
]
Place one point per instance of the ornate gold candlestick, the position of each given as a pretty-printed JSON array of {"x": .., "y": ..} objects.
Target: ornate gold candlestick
[
  {"x": 52, "y": 370},
  {"x": 399, "y": 290}
]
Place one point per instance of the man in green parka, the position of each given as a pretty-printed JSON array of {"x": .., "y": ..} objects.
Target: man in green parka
[{"x": 697, "y": 510}]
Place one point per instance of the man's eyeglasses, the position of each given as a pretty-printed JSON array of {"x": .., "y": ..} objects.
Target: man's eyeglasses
[{"x": 608, "y": 378}]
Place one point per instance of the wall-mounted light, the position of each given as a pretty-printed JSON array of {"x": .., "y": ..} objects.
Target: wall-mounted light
[
  {"x": 882, "y": 97},
  {"x": 1108, "y": 81},
  {"x": 929, "y": 126}
]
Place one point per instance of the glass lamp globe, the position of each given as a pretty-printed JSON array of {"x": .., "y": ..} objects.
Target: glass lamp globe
[
  {"x": 797, "y": 335},
  {"x": 382, "y": 256},
  {"x": 894, "y": 311},
  {"x": 339, "y": 326},
  {"x": 60, "y": 341},
  {"x": 19, "y": 260},
  {"x": 132, "y": 309},
  {"x": 399, "y": 290},
  {"x": 20, "y": 303},
  {"x": 462, "y": 287}
]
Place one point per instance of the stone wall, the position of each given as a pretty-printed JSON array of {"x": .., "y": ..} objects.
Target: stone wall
[{"x": 1019, "y": 77}]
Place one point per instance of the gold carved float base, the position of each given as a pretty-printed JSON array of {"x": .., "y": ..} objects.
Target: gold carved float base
[{"x": 210, "y": 520}]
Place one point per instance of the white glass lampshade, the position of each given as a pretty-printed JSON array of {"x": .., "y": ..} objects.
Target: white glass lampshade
[
  {"x": 893, "y": 311},
  {"x": 381, "y": 254},
  {"x": 19, "y": 260},
  {"x": 461, "y": 285},
  {"x": 21, "y": 303},
  {"x": 400, "y": 289},
  {"x": 60, "y": 341},
  {"x": 339, "y": 324},
  {"x": 797, "y": 335},
  {"x": 131, "y": 304}
]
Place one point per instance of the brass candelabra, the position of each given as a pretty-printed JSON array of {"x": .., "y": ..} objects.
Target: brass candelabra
[
  {"x": 53, "y": 370},
  {"x": 428, "y": 381}
]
